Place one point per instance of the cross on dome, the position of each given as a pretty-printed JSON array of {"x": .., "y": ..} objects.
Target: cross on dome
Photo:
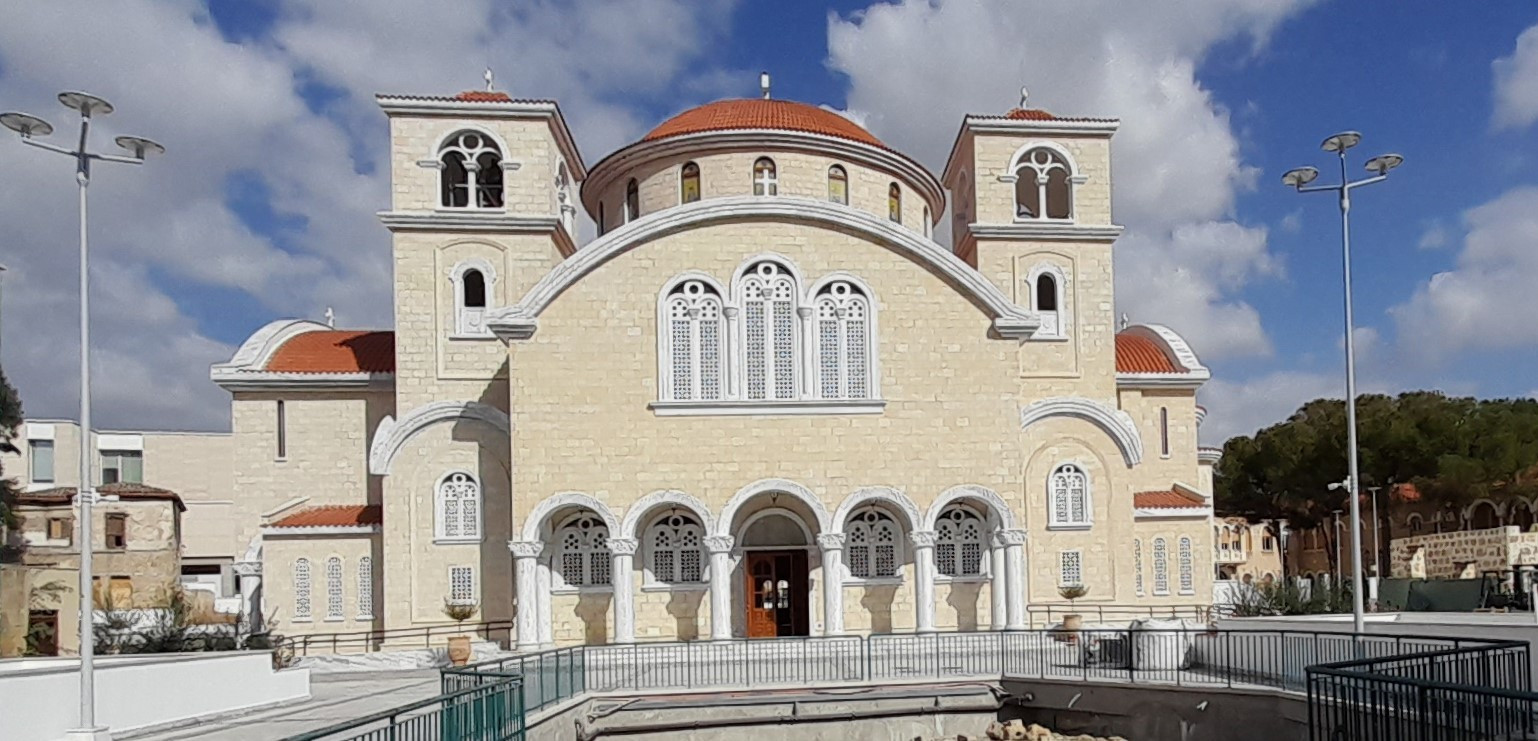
[
  {"x": 489, "y": 78},
  {"x": 1024, "y": 96}
]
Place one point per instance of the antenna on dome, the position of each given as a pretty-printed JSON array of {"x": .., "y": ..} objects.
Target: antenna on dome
[
  {"x": 489, "y": 78},
  {"x": 1025, "y": 95},
  {"x": 330, "y": 318},
  {"x": 763, "y": 84}
]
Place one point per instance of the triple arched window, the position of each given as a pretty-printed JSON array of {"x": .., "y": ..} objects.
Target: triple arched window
[
  {"x": 675, "y": 550},
  {"x": 1043, "y": 185},
  {"x": 582, "y": 557},
  {"x": 771, "y": 342},
  {"x": 470, "y": 171},
  {"x": 961, "y": 542},
  {"x": 1068, "y": 497},
  {"x": 872, "y": 546},
  {"x": 458, "y": 508}
]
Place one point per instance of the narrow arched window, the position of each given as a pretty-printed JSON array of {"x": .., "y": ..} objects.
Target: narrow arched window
[
  {"x": 675, "y": 550},
  {"x": 872, "y": 546},
  {"x": 692, "y": 336},
  {"x": 960, "y": 542},
  {"x": 1043, "y": 186},
  {"x": 470, "y": 172},
  {"x": 1161, "y": 574},
  {"x": 470, "y": 302},
  {"x": 1046, "y": 293},
  {"x": 334, "y": 609},
  {"x": 1047, "y": 297},
  {"x": 689, "y": 183},
  {"x": 1137, "y": 566},
  {"x": 843, "y": 341},
  {"x": 771, "y": 331},
  {"x": 765, "y": 180},
  {"x": 929, "y": 223},
  {"x": 1068, "y": 490},
  {"x": 602, "y": 221},
  {"x": 458, "y": 507},
  {"x": 302, "y": 589},
  {"x": 838, "y": 185},
  {"x": 582, "y": 552},
  {"x": 366, "y": 588},
  {"x": 632, "y": 201},
  {"x": 894, "y": 203},
  {"x": 1187, "y": 567}
]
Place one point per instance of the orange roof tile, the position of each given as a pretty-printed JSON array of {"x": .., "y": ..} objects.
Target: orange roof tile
[
  {"x": 333, "y": 515},
  {"x": 484, "y": 96},
  {"x": 1171, "y": 499},
  {"x": 757, "y": 113},
  {"x": 336, "y": 351},
  {"x": 1030, "y": 114},
  {"x": 1138, "y": 354}
]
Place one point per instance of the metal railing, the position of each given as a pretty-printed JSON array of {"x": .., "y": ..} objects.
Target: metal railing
[
  {"x": 1456, "y": 694},
  {"x": 367, "y": 641},
  {"x": 548, "y": 676},
  {"x": 489, "y": 710},
  {"x": 1048, "y": 615}
]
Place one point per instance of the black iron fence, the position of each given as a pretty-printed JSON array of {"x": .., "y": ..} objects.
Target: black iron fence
[
  {"x": 488, "y": 710},
  {"x": 1455, "y": 694}
]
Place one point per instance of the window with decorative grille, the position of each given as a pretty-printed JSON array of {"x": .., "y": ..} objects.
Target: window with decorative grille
[
  {"x": 960, "y": 542},
  {"x": 675, "y": 546}
]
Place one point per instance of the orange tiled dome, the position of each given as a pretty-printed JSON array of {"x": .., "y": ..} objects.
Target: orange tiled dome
[{"x": 757, "y": 113}]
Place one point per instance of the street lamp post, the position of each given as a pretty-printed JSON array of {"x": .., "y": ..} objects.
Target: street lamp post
[
  {"x": 31, "y": 127},
  {"x": 1300, "y": 178}
]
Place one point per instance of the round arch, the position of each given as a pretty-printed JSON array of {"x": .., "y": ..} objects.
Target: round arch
[
  {"x": 884, "y": 494},
  {"x": 635, "y": 515},
  {"x": 768, "y": 486},
  {"x": 1012, "y": 170},
  {"x": 555, "y": 503},
  {"x": 1115, "y": 422},
  {"x": 391, "y": 435},
  {"x": 971, "y": 491}
]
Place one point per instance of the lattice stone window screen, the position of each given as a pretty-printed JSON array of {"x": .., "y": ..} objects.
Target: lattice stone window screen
[
  {"x": 461, "y": 584},
  {"x": 770, "y": 325},
  {"x": 871, "y": 546},
  {"x": 1069, "y": 491},
  {"x": 1161, "y": 573},
  {"x": 676, "y": 547},
  {"x": 334, "y": 608},
  {"x": 1187, "y": 570},
  {"x": 365, "y": 588},
  {"x": 1071, "y": 568},
  {"x": 959, "y": 542},
  {"x": 302, "y": 589},
  {"x": 583, "y": 552},
  {"x": 843, "y": 341},
  {"x": 1137, "y": 566},
  {"x": 459, "y": 507},
  {"x": 693, "y": 335}
]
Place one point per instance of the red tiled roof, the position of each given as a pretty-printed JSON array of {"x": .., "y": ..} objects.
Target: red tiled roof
[
  {"x": 1138, "y": 354},
  {"x": 1030, "y": 114},
  {"x": 125, "y": 491},
  {"x": 1037, "y": 114},
  {"x": 758, "y": 113},
  {"x": 336, "y": 351},
  {"x": 332, "y": 515},
  {"x": 471, "y": 96},
  {"x": 1171, "y": 499},
  {"x": 484, "y": 96}
]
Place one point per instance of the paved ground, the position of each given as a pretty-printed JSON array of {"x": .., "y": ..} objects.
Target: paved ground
[{"x": 333, "y": 699}]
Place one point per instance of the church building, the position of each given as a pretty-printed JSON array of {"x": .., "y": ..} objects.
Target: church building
[{"x": 763, "y": 401}]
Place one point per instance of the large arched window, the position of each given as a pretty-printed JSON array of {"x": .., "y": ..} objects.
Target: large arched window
[
  {"x": 470, "y": 172},
  {"x": 302, "y": 589},
  {"x": 838, "y": 185},
  {"x": 366, "y": 588},
  {"x": 872, "y": 546},
  {"x": 632, "y": 201},
  {"x": 766, "y": 181},
  {"x": 1068, "y": 492},
  {"x": 334, "y": 602},
  {"x": 675, "y": 550},
  {"x": 960, "y": 542},
  {"x": 458, "y": 501},
  {"x": 1043, "y": 186},
  {"x": 894, "y": 203},
  {"x": 771, "y": 331},
  {"x": 472, "y": 284},
  {"x": 689, "y": 183},
  {"x": 843, "y": 349},
  {"x": 1187, "y": 568},
  {"x": 1161, "y": 573},
  {"x": 582, "y": 556},
  {"x": 692, "y": 336}
]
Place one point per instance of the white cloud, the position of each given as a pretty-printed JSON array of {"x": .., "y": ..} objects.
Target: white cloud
[
  {"x": 1476, "y": 304},
  {"x": 915, "y": 67},
  {"x": 1435, "y": 237},
  {"x": 1516, "y": 84},
  {"x": 1292, "y": 222}
]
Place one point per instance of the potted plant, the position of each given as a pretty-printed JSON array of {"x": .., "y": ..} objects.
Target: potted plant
[
  {"x": 459, "y": 645},
  {"x": 1072, "y": 621}
]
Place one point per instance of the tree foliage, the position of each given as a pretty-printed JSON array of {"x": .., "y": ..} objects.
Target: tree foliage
[
  {"x": 10, "y": 422},
  {"x": 1453, "y": 450}
]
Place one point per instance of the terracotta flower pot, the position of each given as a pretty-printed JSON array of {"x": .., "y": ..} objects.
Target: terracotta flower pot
[{"x": 459, "y": 650}]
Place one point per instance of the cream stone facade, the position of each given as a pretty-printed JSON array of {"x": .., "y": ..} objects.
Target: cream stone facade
[
  {"x": 764, "y": 401},
  {"x": 1462, "y": 555}
]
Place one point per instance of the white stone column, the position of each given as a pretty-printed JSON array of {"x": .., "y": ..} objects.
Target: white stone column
[
  {"x": 808, "y": 386},
  {"x": 525, "y": 553},
  {"x": 1014, "y": 574},
  {"x": 997, "y": 586},
  {"x": 832, "y": 545},
  {"x": 250, "y": 573},
  {"x": 733, "y": 374},
  {"x": 624, "y": 595},
  {"x": 545, "y": 626},
  {"x": 924, "y": 574},
  {"x": 720, "y": 547}
]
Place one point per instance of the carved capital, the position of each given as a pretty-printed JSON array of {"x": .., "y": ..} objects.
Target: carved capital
[
  {"x": 830, "y": 541},
  {"x": 623, "y": 546},
  {"x": 248, "y": 568},
  {"x": 1011, "y": 537},
  {"x": 805, "y": 312},
  {"x": 922, "y": 538},
  {"x": 525, "y": 548},
  {"x": 718, "y": 543},
  {"x": 731, "y": 312}
]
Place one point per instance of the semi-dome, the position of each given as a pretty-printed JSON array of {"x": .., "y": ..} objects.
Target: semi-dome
[{"x": 758, "y": 113}]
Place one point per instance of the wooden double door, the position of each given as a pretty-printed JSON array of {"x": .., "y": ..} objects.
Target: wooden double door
[{"x": 775, "y": 584}]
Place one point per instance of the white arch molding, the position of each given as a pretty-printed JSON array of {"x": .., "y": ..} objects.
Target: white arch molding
[
  {"x": 391, "y": 435},
  {"x": 556, "y": 502},
  {"x": 1115, "y": 422},
  {"x": 879, "y": 494},
  {"x": 522, "y": 320},
  {"x": 635, "y": 515},
  {"x": 970, "y": 491},
  {"x": 1011, "y": 173},
  {"x": 770, "y": 486}
]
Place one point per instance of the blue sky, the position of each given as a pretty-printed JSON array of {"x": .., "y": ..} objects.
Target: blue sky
[{"x": 264, "y": 207}]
